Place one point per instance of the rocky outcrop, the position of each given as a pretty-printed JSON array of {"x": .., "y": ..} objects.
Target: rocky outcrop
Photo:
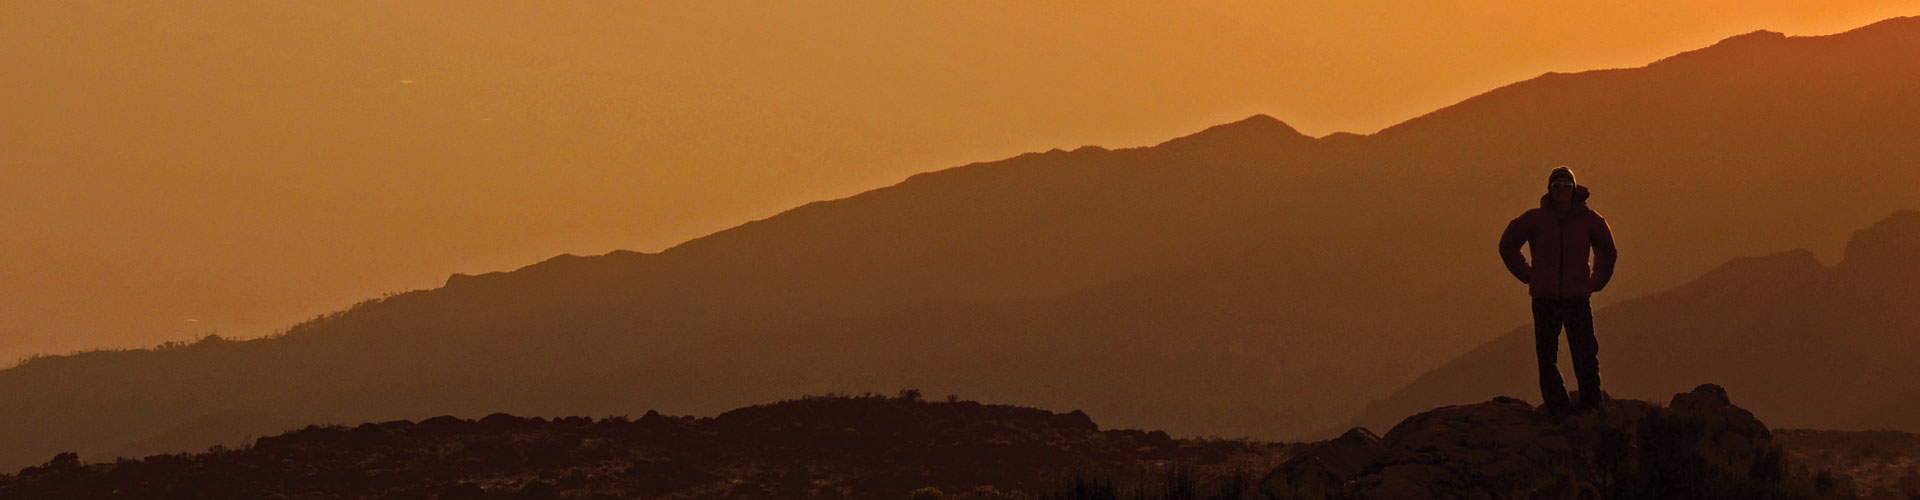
[
  {"x": 1324, "y": 470},
  {"x": 1697, "y": 446}
]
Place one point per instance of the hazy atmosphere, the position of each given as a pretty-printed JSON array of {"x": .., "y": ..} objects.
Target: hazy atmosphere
[
  {"x": 171, "y": 170},
  {"x": 725, "y": 250}
]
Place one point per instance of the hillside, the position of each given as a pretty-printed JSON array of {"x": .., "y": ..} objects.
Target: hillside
[
  {"x": 1808, "y": 345},
  {"x": 1247, "y": 279}
]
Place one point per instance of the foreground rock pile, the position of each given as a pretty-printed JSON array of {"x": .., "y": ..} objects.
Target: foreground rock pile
[{"x": 1699, "y": 446}]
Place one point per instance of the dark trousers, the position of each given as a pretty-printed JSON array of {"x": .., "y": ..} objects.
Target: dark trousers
[{"x": 1576, "y": 315}]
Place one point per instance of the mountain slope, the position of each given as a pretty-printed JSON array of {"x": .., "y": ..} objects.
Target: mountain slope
[
  {"x": 1273, "y": 281},
  {"x": 1806, "y": 345}
]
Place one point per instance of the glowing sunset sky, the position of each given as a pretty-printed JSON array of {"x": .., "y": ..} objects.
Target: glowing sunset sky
[{"x": 233, "y": 166}]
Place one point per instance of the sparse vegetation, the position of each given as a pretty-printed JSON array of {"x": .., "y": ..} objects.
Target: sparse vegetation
[
  {"x": 1878, "y": 464},
  {"x": 902, "y": 446},
  {"x": 868, "y": 446}
]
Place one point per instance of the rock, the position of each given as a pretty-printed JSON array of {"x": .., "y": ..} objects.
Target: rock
[
  {"x": 1700, "y": 446},
  {"x": 1325, "y": 468}
]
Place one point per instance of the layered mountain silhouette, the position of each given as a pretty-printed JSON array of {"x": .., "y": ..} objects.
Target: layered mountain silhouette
[
  {"x": 1245, "y": 280},
  {"x": 1805, "y": 344}
]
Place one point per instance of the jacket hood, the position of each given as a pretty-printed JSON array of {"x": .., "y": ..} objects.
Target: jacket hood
[{"x": 1580, "y": 195}]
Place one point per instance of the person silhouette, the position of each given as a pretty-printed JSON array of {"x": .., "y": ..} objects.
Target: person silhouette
[{"x": 1558, "y": 236}]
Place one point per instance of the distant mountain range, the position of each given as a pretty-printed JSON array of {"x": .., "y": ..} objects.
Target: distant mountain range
[{"x": 1244, "y": 280}]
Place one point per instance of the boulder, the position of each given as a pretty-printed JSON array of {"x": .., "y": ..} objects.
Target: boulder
[{"x": 1698, "y": 446}]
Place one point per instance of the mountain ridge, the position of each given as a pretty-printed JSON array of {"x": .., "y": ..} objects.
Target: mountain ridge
[
  {"x": 1739, "y": 49},
  {"x": 1260, "y": 124},
  {"x": 1255, "y": 128}
]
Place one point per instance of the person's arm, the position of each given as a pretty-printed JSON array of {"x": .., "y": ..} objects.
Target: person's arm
[
  {"x": 1604, "y": 253},
  {"x": 1510, "y": 241}
]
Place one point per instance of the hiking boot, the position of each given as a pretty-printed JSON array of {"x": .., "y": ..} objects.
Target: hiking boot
[
  {"x": 1594, "y": 404},
  {"x": 1591, "y": 400}
]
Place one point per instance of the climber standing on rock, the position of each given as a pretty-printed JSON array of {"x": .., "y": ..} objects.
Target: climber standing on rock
[{"x": 1559, "y": 236}]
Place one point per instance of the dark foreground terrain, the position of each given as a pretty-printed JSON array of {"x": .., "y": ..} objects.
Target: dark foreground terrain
[
  {"x": 816, "y": 447},
  {"x": 1698, "y": 445},
  {"x": 1867, "y": 464}
]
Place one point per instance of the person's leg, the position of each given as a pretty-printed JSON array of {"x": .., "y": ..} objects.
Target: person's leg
[
  {"x": 1584, "y": 348},
  {"x": 1546, "y": 345}
]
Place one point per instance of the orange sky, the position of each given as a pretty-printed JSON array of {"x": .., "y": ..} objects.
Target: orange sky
[{"x": 232, "y": 166}]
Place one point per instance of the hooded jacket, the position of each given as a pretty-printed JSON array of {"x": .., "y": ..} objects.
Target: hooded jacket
[{"x": 1559, "y": 248}]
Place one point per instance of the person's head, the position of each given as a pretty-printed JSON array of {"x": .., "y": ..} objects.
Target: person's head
[{"x": 1560, "y": 184}]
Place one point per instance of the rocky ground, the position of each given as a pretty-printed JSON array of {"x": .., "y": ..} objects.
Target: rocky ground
[
  {"x": 816, "y": 447},
  {"x": 1870, "y": 464},
  {"x": 1697, "y": 445}
]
